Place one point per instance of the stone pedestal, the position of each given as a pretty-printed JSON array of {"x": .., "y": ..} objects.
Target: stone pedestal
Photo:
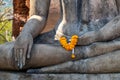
[{"x": 45, "y": 76}]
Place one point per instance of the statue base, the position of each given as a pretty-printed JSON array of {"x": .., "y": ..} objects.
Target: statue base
[{"x": 46, "y": 76}]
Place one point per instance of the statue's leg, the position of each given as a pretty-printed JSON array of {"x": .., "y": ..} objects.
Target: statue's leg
[
  {"x": 41, "y": 55},
  {"x": 101, "y": 64},
  {"x": 108, "y": 32},
  {"x": 6, "y": 57},
  {"x": 48, "y": 54}
]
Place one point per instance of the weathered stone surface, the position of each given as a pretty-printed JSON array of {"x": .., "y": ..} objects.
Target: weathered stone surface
[
  {"x": 90, "y": 15},
  {"x": 71, "y": 76}
]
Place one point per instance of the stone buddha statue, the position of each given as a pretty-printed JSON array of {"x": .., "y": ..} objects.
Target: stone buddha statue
[{"x": 95, "y": 22}]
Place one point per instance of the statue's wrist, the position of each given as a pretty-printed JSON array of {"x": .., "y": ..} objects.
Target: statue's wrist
[{"x": 25, "y": 33}]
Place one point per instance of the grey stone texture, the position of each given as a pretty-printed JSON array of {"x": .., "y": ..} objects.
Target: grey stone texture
[{"x": 46, "y": 76}]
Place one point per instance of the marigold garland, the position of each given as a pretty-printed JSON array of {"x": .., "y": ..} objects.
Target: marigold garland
[{"x": 71, "y": 45}]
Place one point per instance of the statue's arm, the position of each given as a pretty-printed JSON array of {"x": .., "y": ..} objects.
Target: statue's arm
[
  {"x": 108, "y": 32},
  {"x": 38, "y": 16},
  {"x": 32, "y": 28}
]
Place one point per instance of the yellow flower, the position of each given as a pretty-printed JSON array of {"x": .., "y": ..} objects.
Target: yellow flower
[
  {"x": 74, "y": 37},
  {"x": 62, "y": 38},
  {"x": 71, "y": 45},
  {"x": 73, "y": 56},
  {"x": 63, "y": 42},
  {"x": 67, "y": 47},
  {"x": 74, "y": 40}
]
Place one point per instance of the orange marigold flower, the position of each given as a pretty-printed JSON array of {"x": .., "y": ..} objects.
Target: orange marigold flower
[
  {"x": 67, "y": 47},
  {"x": 74, "y": 40},
  {"x": 74, "y": 37},
  {"x": 72, "y": 46},
  {"x": 73, "y": 43},
  {"x": 62, "y": 38},
  {"x": 63, "y": 42}
]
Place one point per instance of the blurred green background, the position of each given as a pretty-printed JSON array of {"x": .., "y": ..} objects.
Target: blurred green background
[{"x": 6, "y": 16}]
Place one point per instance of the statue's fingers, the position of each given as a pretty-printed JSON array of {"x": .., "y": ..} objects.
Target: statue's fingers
[
  {"x": 20, "y": 58},
  {"x": 87, "y": 38},
  {"x": 29, "y": 50},
  {"x": 15, "y": 55},
  {"x": 24, "y": 55}
]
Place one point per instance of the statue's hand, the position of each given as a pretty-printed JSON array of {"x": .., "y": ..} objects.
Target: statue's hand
[
  {"x": 87, "y": 38},
  {"x": 22, "y": 49}
]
